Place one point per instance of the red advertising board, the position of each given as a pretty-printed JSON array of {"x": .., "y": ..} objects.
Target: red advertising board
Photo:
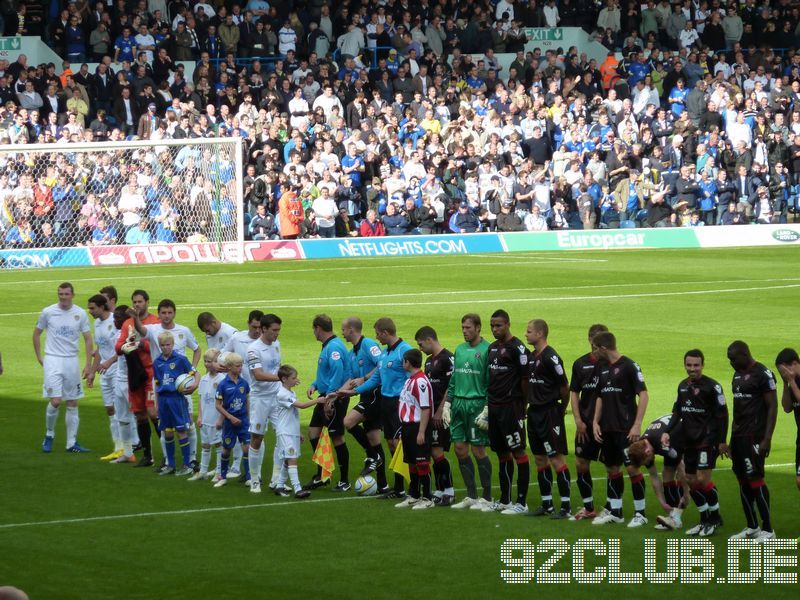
[{"x": 184, "y": 253}]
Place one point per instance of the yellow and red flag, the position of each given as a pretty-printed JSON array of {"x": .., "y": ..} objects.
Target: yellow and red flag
[{"x": 323, "y": 455}]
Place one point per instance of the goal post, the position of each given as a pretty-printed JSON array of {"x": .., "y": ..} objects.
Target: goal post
[{"x": 105, "y": 195}]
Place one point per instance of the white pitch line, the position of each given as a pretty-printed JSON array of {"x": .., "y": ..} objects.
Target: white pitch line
[
  {"x": 191, "y": 511},
  {"x": 295, "y": 305}
]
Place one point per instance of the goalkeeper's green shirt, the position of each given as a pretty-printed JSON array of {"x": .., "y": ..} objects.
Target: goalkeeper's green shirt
[{"x": 471, "y": 373}]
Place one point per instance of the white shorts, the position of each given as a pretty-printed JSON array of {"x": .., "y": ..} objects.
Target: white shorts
[
  {"x": 261, "y": 410},
  {"x": 288, "y": 446},
  {"x": 209, "y": 434},
  {"x": 108, "y": 388},
  {"x": 62, "y": 378},
  {"x": 121, "y": 403}
]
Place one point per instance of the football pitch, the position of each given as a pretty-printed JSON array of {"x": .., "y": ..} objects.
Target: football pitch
[{"x": 72, "y": 526}]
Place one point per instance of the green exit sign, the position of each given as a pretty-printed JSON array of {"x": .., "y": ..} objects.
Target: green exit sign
[
  {"x": 10, "y": 43},
  {"x": 544, "y": 34}
]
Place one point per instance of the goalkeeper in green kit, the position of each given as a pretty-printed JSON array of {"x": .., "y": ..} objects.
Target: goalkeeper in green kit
[{"x": 464, "y": 408}]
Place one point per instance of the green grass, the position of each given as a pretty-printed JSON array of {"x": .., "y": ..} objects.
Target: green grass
[{"x": 659, "y": 303}]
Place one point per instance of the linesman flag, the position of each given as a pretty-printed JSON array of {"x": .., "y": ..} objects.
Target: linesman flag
[
  {"x": 323, "y": 455},
  {"x": 397, "y": 464}
]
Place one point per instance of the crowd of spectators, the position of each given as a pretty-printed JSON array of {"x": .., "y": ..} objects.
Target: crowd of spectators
[{"x": 371, "y": 118}]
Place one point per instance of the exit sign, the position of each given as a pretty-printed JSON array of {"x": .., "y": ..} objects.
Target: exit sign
[
  {"x": 10, "y": 43},
  {"x": 544, "y": 34}
]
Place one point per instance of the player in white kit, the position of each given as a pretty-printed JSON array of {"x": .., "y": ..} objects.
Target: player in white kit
[
  {"x": 263, "y": 362},
  {"x": 122, "y": 412},
  {"x": 184, "y": 338},
  {"x": 65, "y": 324},
  {"x": 217, "y": 333},
  {"x": 105, "y": 362},
  {"x": 207, "y": 416}
]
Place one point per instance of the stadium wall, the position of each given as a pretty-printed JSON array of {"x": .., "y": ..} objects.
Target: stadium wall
[{"x": 418, "y": 245}]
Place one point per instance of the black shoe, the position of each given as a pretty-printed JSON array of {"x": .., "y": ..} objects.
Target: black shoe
[
  {"x": 391, "y": 494},
  {"x": 541, "y": 511},
  {"x": 161, "y": 465},
  {"x": 446, "y": 500},
  {"x": 302, "y": 494},
  {"x": 316, "y": 483},
  {"x": 195, "y": 466},
  {"x": 282, "y": 492},
  {"x": 370, "y": 464},
  {"x": 145, "y": 461},
  {"x": 563, "y": 513},
  {"x": 243, "y": 478},
  {"x": 138, "y": 447},
  {"x": 342, "y": 486}
]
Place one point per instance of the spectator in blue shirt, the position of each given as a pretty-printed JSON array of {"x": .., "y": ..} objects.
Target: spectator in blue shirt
[{"x": 124, "y": 47}]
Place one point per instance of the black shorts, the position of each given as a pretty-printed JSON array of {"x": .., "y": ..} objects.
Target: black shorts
[
  {"x": 413, "y": 452},
  {"x": 506, "y": 428},
  {"x": 440, "y": 437},
  {"x": 335, "y": 424},
  {"x": 589, "y": 449},
  {"x": 390, "y": 417},
  {"x": 699, "y": 458},
  {"x": 614, "y": 449},
  {"x": 747, "y": 463},
  {"x": 369, "y": 405},
  {"x": 546, "y": 431}
]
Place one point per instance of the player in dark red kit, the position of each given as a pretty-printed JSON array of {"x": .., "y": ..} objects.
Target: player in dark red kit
[
  {"x": 755, "y": 410},
  {"x": 438, "y": 369},
  {"x": 547, "y": 396},
  {"x": 504, "y": 415},
  {"x": 582, "y": 391},
  {"x": 702, "y": 415},
  {"x": 617, "y": 423},
  {"x": 788, "y": 364}
]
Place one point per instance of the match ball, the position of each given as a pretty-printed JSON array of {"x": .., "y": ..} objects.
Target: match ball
[
  {"x": 222, "y": 357},
  {"x": 183, "y": 381},
  {"x": 366, "y": 486}
]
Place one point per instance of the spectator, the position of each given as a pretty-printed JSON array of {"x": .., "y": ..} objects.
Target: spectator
[
  {"x": 394, "y": 222},
  {"x": 139, "y": 234},
  {"x": 371, "y": 226}
]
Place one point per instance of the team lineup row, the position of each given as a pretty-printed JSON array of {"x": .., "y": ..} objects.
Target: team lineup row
[{"x": 481, "y": 395}]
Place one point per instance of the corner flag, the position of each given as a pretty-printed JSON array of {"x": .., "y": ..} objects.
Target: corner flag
[
  {"x": 323, "y": 455},
  {"x": 397, "y": 464}
]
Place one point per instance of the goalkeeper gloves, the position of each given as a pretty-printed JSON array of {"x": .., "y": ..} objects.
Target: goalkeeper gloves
[
  {"x": 446, "y": 415},
  {"x": 482, "y": 420}
]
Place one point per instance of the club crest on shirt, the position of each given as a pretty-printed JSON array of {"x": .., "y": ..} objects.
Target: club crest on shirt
[
  {"x": 616, "y": 371},
  {"x": 171, "y": 365},
  {"x": 77, "y": 318},
  {"x": 241, "y": 389},
  {"x": 227, "y": 441},
  {"x": 389, "y": 364},
  {"x": 258, "y": 426},
  {"x": 696, "y": 391},
  {"x": 180, "y": 336},
  {"x": 478, "y": 355},
  {"x": 290, "y": 451}
]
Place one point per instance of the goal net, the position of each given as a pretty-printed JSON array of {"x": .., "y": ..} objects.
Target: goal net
[{"x": 104, "y": 202}]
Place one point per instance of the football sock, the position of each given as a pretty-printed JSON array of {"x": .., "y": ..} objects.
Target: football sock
[
  {"x": 615, "y": 489},
  {"x": 224, "y": 471},
  {"x": 413, "y": 486},
  {"x": 73, "y": 420},
  {"x": 113, "y": 425},
  {"x": 218, "y": 467},
  {"x": 254, "y": 462},
  {"x": 443, "y": 474},
  {"x": 169, "y": 450},
  {"x": 637, "y": 486},
  {"x": 186, "y": 450},
  {"x": 748, "y": 499},
  {"x": 424, "y": 475},
  {"x": 468, "y": 474},
  {"x": 563, "y": 481},
  {"x": 50, "y": 418},
  {"x": 163, "y": 443},
  {"x": 343, "y": 460},
  {"x": 710, "y": 492},
  {"x": 294, "y": 478},
  {"x": 277, "y": 462},
  {"x": 485, "y": 474},
  {"x": 314, "y": 442},
  {"x": 585, "y": 487},
  {"x": 360, "y": 436},
  {"x": 506, "y": 477},
  {"x": 237, "y": 456},
  {"x": 699, "y": 498},
  {"x": 545, "y": 477},
  {"x": 143, "y": 429},
  {"x": 380, "y": 472},
  {"x": 134, "y": 431},
  {"x": 125, "y": 434},
  {"x": 671, "y": 493},
  {"x": 193, "y": 445},
  {"x": 205, "y": 459},
  {"x": 523, "y": 478},
  {"x": 399, "y": 483},
  {"x": 761, "y": 495},
  {"x": 246, "y": 464}
]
